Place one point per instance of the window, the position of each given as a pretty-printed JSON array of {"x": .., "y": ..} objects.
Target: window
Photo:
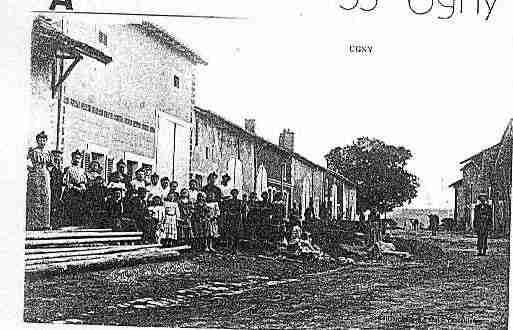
[
  {"x": 176, "y": 82},
  {"x": 102, "y": 38},
  {"x": 206, "y": 152}
]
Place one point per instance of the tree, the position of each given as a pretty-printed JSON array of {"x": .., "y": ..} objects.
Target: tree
[{"x": 379, "y": 171}]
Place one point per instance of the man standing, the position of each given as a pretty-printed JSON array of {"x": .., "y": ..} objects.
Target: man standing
[
  {"x": 434, "y": 221},
  {"x": 482, "y": 223}
]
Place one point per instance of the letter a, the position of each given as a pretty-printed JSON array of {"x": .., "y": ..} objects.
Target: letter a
[{"x": 65, "y": 3}]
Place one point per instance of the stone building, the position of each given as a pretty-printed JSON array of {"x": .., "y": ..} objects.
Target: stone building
[
  {"x": 489, "y": 172},
  {"x": 222, "y": 147},
  {"x": 133, "y": 101},
  {"x": 127, "y": 91},
  {"x": 256, "y": 164}
]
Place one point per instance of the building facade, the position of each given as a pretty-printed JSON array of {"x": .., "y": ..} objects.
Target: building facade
[
  {"x": 138, "y": 107},
  {"x": 220, "y": 147},
  {"x": 487, "y": 172},
  {"x": 127, "y": 92},
  {"x": 255, "y": 164}
]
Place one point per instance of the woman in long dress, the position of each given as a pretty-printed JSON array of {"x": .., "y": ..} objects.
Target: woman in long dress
[{"x": 38, "y": 185}]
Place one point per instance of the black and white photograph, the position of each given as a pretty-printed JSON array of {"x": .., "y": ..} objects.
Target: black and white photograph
[{"x": 221, "y": 164}]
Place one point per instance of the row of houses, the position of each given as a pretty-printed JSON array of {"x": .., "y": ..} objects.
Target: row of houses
[
  {"x": 128, "y": 91},
  {"x": 490, "y": 172}
]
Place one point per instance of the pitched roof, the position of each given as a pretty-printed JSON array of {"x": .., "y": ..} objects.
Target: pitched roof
[
  {"x": 172, "y": 41},
  {"x": 480, "y": 153},
  {"x": 45, "y": 30},
  {"x": 210, "y": 113},
  {"x": 457, "y": 183}
]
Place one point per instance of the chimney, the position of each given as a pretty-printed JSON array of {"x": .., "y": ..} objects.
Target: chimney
[
  {"x": 250, "y": 125},
  {"x": 287, "y": 139}
]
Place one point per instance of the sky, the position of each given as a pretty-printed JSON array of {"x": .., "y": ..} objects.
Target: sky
[{"x": 438, "y": 87}]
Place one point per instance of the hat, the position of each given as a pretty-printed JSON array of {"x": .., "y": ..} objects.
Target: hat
[
  {"x": 139, "y": 170},
  {"x": 154, "y": 175},
  {"x": 212, "y": 175},
  {"x": 42, "y": 135},
  {"x": 76, "y": 153},
  {"x": 120, "y": 162}
]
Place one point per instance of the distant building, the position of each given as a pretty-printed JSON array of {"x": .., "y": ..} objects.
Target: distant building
[{"x": 488, "y": 172}]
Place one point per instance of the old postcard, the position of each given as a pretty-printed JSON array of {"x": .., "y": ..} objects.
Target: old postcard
[{"x": 262, "y": 164}]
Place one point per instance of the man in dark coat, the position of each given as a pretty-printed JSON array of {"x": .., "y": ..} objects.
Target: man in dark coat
[
  {"x": 482, "y": 223},
  {"x": 434, "y": 221}
]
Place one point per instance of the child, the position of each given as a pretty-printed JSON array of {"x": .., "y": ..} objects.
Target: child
[
  {"x": 233, "y": 209},
  {"x": 116, "y": 212},
  {"x": 210, "y": 222},
  {"x": 137, "y": 210},
  {"x": 193, "y": 190},
  {"x": 167, "y": 229},
  {"x": 157, "y": 211},
  {"x": 295, "y": 238},
  {"x": 184, "y": 222},
  {"x": 200, "y": 213}
]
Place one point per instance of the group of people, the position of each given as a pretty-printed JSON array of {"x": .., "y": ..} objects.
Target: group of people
[{"x": 201, "y": 216}]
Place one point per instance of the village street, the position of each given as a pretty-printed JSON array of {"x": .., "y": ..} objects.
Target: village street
[{"x": 446, "y": 287}]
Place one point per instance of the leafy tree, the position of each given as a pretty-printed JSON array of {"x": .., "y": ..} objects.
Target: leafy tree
[{"x": 379, "y": 170}]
